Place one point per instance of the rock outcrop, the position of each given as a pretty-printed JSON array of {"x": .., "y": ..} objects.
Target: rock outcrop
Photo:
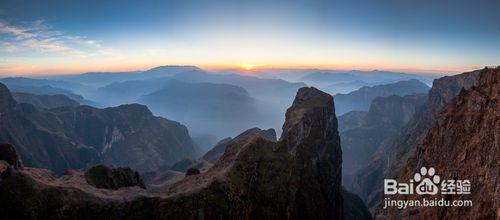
[
  {"x": 218, "y": 150},
  {"x": 9, "y": 155},
  {"x": 297, "y": 177},
  {"x": 462, "y": 144},
  {"x": 76, "y": 137},
  {"x": 386, "y": 162},
  {"x": 102, "y": 176}
]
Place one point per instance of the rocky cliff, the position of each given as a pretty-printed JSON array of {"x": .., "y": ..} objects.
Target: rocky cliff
[
  {"x": 462, "y": 144},
  {"x": 386, "y": 162},
  {"x": 382, "y": 123},
  {"x": 75, "y": 137},
  {"x": 297, "y": 177}
]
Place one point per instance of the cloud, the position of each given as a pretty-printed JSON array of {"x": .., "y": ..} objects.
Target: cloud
[{"x": 39, "y": 37}]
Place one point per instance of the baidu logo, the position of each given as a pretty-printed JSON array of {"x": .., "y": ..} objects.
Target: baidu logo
[{"x": 427, "y": 183}]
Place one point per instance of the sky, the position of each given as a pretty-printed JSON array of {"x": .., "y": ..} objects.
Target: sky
[{"x": 55, "y": 37}]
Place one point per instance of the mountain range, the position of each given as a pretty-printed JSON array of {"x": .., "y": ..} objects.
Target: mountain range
[
  {"x": 361, "y": 99},
  {"x": 247, "y": 181},
  {"x": 388, "y": 159},
  {"x": 77, "y": 136}
]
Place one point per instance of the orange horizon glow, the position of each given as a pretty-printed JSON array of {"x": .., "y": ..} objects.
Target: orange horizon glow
[{"x": 247, "y": 67}]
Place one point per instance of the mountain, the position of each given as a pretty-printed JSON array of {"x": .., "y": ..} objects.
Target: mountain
[
  {"x": 382, "y": 123},
  {"x": 351, "y": 120},
  {"x": 360, "y": 99},
  {"x": 367, "y": 182},
  {"x": 374, "y": 76},
  {"x": 206, "y": 108},
  {"x": 248, "y": 181},
  {"x": 32, "y": 82},
  {"x": 218, "y": 150},
  {"x": 272, "y": 89},
  {"x": 44, "y": 101},
  {"x": 162, "y": 71},
  {"x": 75, "y": 137},
  {"x": 464, "y": 136},
  {"x": 72, "y": 90}
]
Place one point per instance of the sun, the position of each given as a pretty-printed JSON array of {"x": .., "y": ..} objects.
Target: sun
[{"x": 248, "y": 66}]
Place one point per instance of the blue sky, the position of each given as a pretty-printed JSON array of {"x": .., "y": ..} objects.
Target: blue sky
[{"x": 44, "y": 37}]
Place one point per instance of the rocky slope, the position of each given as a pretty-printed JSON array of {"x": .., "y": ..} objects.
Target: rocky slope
[
  {"x": 367, "y": 182},
  {"x": 351, "y": 120},
  {"x": 75, "y": 137},
  {"x": 297, "y": 177},
  {"x": 361, "y": 99},
  {"x": 382, "y": 123},
  {"x": 462, "y": 144},
  {"x": 218, "y": 150}
]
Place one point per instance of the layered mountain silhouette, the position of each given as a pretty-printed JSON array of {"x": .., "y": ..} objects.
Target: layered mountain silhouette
[
  {"x": 297, "y": 177},
  {"x": 77, "y": 136},
  {"x": 462, "y": 144},
  {"x": 44, "y": 101},
  {"x": 206, "y": 107},
  {"x": 48, "y": 87},
  {"x": 335, "y": 82},
  {"x": 361, "y": 99}
]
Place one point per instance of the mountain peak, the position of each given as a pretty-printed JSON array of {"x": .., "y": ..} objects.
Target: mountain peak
[
  {"x": 310, "y": 97},
  {"x": 172, "y": 69}
]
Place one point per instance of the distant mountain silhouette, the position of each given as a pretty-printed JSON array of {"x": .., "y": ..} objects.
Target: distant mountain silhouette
[
  {"x": 360, "y": 99},
  {"x": 47, "y": 87},
  {"x": 44, "y": 101},
  {"x": 206, "y": 107},
  {"x": 99, "y": 79}
]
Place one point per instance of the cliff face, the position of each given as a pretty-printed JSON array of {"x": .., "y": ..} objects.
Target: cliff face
[
  {"x": 75, "y": 137},
  {"x": 382, "y": 123},
  {"x": 386, "y": 162},
  {"x": 297, "y": 177},
  {"x": 310, "y": 135},
  {"x": 462, "y": 144}
]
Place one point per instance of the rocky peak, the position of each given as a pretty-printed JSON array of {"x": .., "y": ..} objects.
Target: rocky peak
[
  {"x": 312, "y": 113},
  {"x": 6, "y": 100},
  {"x": 310, "y": 135},
  {"x": 446, "y": 88}
]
